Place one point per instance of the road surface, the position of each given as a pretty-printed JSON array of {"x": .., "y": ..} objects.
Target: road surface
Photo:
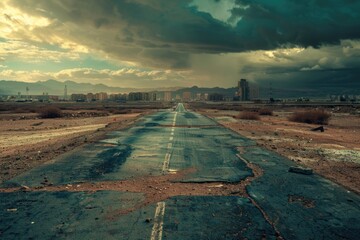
[{"x": 277, "y": 204}]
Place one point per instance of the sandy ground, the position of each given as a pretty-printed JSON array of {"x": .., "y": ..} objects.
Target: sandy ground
[
  {"x": 334, "y": 154},
  {"x": 26, "y": 141}
]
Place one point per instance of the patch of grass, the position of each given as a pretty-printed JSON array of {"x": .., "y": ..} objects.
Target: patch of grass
[
  {"x": 312, "y": 117},
  {"x": 248, "y": 116},
  {"x": 50, "y": 112},
  {"x": 265, "y": 112}
]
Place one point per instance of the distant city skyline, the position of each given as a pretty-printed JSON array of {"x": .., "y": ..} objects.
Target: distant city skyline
[{"x": 159, "y": 43}]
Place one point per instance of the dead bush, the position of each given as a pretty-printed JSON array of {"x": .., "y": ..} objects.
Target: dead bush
[
  {"x": 50, "y": 112},
  {"x": 120, "y": 111},
  {"x": 312, "y": 117},
  {"x": 265, "y": 112},
  {"x": 248, "y": 116},
  {"x": 20, "y": 110}
]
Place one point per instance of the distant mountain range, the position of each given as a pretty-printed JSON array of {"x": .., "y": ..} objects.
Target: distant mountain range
[{"x": 53, "y": 87}]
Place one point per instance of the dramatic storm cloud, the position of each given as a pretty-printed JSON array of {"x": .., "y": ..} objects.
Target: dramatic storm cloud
[{"x": 199, "y": 42}]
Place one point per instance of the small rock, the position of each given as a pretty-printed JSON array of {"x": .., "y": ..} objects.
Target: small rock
[
  {"x": 235, "y": 192},
  {"x": 301, "y": 170},
  {"x": 11, "y": 209},
  {"x": 148, "y": 220},
  {"x": 321, "y": 129},
  {"x": 25, "y": 188}
]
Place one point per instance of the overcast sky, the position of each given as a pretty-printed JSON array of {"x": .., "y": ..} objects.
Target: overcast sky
[{"x": 164, "y": 43}]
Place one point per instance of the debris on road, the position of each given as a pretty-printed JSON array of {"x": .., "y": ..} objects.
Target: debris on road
[
  {"x": 301, "y": 170},
  {"x": 24, "y": 188},
  {"x": 11, "y": 209},
  {"x": 37, "y": 124},
  {"x": 321, "y": 128},
  {"x": 306, "y": 202}
]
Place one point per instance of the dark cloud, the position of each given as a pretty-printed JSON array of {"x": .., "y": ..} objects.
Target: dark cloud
[
  {"x": 164, "y": 33},
  {"x": 315, "y": 83},
  {"x": 304, "y": 23},
  {"x": 294, "y": 43}
]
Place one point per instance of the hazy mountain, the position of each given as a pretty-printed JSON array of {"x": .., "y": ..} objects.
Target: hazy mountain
[{"x": 53, "y": 87}]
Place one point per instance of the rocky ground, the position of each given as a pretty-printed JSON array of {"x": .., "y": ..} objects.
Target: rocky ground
[
  {"x": 27, "y": 141},
  {"x": 334, "y": 153}
]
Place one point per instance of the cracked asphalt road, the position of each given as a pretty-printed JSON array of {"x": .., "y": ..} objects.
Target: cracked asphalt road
[{"x": 175, "y": 175}]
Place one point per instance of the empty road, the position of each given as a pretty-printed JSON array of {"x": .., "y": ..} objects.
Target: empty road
[{"x": 165, "y": 178}]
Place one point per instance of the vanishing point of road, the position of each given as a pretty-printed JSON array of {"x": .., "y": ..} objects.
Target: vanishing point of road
[{"x": 184, "y": 148}]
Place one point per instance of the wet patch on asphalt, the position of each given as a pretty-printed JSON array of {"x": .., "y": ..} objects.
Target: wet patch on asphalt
[
  {"x": 72, "y": 215},
  {"x": 112, "y": 159}
]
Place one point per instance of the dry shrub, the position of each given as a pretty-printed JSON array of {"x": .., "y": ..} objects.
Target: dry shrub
[
  {"x": 265, "y": 112},
  {"x": 26, "y": 109},
  {"x": 20, "y": 110},
  {"x": 50, "y": 112},
  {"x": 311, "y": 117},
  {"x": 120, "y": 111},
  {"x": 248, "y": 116}
]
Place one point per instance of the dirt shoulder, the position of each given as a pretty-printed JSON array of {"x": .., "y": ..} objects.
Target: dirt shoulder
[
  {"x": 27, "y": 142},
  {"x": 334, "y": 154}
]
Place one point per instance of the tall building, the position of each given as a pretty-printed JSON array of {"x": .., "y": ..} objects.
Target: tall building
[
  {"x": 198, "y": 97},
  {"x": 101, "y": 96},
  {"x": 65, "y": 93},
  {"x": 78, "y": 97},
  {"x": 90, "y": 97},
  {"x": 27, "y": 93},
  {"x": 206, "y": 97},
  {"x": 243, "y": 90},
  {"x": 118, "y": 97},
  {"x": 142, "y": 96},
  {"x": 135, "y": 96},
  {"x": 152, "y": 96},
  {"x": 167, "y": 96},
  {"x": 186, "y": 96}
]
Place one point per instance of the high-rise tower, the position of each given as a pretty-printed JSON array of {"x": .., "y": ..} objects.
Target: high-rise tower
[
  {"x": 243, "y": 90},
  {"x": 65, "y": 93}
]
